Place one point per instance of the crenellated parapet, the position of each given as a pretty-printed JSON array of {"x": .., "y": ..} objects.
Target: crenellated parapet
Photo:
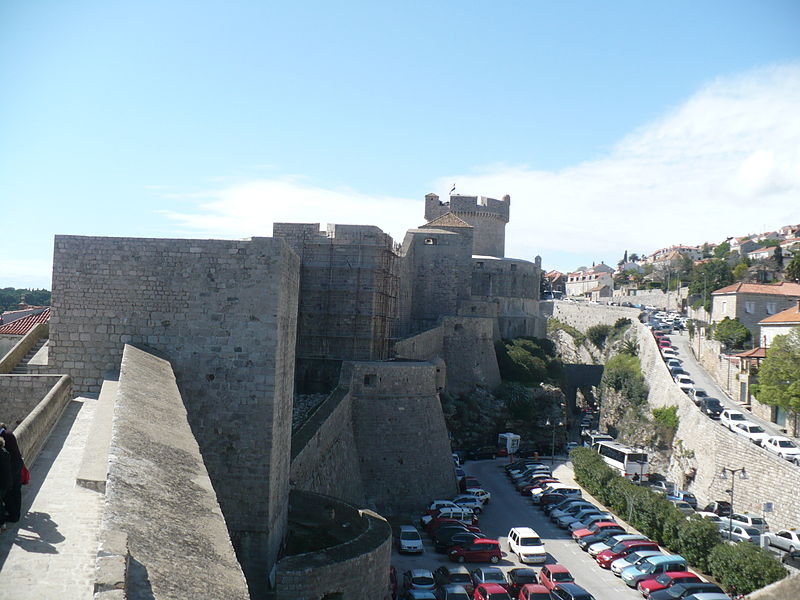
[{"x": 488, "y": 216}]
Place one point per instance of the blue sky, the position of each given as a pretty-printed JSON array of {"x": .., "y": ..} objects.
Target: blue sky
[{"x": 614, "y": 126}]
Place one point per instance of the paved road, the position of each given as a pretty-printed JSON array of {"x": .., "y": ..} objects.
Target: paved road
[
  {"x": 509, "y": 509},
  {"x": 703, "y": 380}
]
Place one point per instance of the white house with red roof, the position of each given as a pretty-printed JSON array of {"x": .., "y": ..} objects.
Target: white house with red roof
[
  {"x": 753, "y": 302},
  {"x": 779, "y": 324},
  {"x": 580, "y": 282}
]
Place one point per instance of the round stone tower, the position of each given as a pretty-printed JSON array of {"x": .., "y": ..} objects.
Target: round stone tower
[{"x": 487, "y": 216}]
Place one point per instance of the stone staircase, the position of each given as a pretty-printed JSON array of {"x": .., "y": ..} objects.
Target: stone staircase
[{"x": 23, "y": 366}]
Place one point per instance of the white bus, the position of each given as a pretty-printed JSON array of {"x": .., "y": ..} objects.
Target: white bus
[
  {"x": 590, "y": 438},
  {"x": 630, "y": 462}
]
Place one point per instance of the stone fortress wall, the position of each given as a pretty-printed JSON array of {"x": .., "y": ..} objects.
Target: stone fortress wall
[
  {"x": 703, "y": 447},
  {"x": 19, "y": 394},
  {"x": 225, "y": 314}
]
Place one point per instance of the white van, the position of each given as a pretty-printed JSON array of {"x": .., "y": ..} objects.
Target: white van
[{"x": 526, "y": 543}]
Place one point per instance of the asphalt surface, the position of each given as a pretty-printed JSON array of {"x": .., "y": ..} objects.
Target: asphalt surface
[{"x": 508, "y": 509}]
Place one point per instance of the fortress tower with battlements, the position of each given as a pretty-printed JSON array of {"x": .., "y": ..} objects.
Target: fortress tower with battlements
[{"x": 487, "y": 215}]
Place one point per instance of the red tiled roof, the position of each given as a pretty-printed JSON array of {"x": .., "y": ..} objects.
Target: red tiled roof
[
  {"x": 754, "y": 353},
  {"x": 447, "y": 220},
  {"x": 781, "y": 289},
  {"x": 25, "y": 324},
  {"x": 790, "y": 315}
]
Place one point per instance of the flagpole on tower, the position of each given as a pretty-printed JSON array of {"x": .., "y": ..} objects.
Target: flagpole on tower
[{"x": 453, "y": 189}]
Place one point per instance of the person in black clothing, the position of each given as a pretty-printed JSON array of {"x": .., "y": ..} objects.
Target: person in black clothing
[
  {"x": 13, "y": 498},
  {"x": 5, "y": 479}
]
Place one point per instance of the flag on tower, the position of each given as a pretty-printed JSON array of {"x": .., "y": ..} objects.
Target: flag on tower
[{"x": 454, "y": 188}]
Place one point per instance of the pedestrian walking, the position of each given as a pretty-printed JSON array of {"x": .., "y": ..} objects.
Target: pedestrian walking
[
  {"x": 5, "y": 480},
  {"x": 13, "y": 498}
]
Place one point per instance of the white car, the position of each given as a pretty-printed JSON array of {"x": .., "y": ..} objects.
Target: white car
[
  {"x": 669, "y": 353},
  {"x": 469, "y": 501},
  {"x": 697, "y": 394},
  {"x": 754, "y": 433},
  {"x": 783, "y": 447},
  {"x": 729, "y": 417},
  {"x": 713, "y": 517},
  {"x": 785, "y": 539},
  {"x": 409, "y": 540},
  {"x": 674, "y": 362},
  {"x": 480, "y": 494},
  {"x": 685, "y": 383}
]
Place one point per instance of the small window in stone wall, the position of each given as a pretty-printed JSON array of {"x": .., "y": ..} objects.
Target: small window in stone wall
[
  {"x": 430, "y": 241},
  {"x": 458, "y": 327},
  {"x": 749, "y": 307},
  {"x": 479, "y": 265},
  {"x": 772, "y": 308},
  {"x": 513, "y": 267},
  {"x": 371, "y": 379}
]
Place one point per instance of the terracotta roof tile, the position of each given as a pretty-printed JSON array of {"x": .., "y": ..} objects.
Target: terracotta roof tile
[
  {"x": 790, "y": 315},
  {"x": 447, "y": 220},
  {"x": 781, "y": 289},
  {"x": 754, "y": 353},
  {"x": 25, "y": 324}
]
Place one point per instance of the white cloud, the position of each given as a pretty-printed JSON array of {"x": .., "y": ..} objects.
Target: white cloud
[{"x": 726, "y": 162}]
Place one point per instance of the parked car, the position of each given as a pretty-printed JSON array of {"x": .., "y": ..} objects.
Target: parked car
[
  {"x": 482, "y": 453},
  {"x": 585, "y": 542},
  {"x": 453, "y": 592},
  {"x": 457, "y": 513},
  {"x": 787, "y": 540},
  {"x": 665, "y": 580},
  {"x": 719, "y": 507},
  {"x": 749, "y": 520},
  {"x": 418, "y": 595},
  {"x": 527, "y": 545},
  {"x": 685, "y": 383},
  {"x": 590, "y": 519},
  {"x": 470, "y": 502},
  {"x": 594, "y": 528},
  {"x": 491, "y": 591},
  {"x": 480, "y": 494},
  {"x": 737, "y": 533},
  {"x": 685, "y": 496},
  {"x": 792, "y": 559},
  {"x": 534, "y": 591},
  {"x": 662, "y": 487},
  {"x": 570, "y": 591},
  {"x": 552, "y": 575},
  {"x": 453, "y": 575},
  {"x": 519, "y": 577},
  {"x": 709, "y": 516},
  {"x": 488, "y": 575},
  {"x": 711, "y": 407},
  {"x": 606, "y": 557},
  {"x": 730, "y": 417},
  {"x": 409, "y": 540},
  {"x": 697, "y": 395},
  {"x": 418, "y": 579},
  {"x": 444, "y": 542},
  {"x": 751, "y": 431},
  {"x": 612, "y": 541},
  {"x": 571, "y": 507},
  {"x": 651, "y": 567},
  {"x": 684, "y": 590},
  {"x": 783, "y": 447},
  {"x": 632, "y": 559},
  {"x": 479, "y": 550},
  {"x": 469, "y": 483}
]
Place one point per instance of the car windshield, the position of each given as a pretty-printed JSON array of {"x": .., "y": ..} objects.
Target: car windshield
[
  {"x": 561, "y": 576},
  {"x": 737, "y": 417},
  {"x": 530, "y": 541},
  {"x": 751, "y": 531},
  {"x": 458, "y": 596},
  {"x": 498, "y": 596},
  {"x": 756, "y": 429},
  {"x": 786, "y": 444},
  {"x": 494, "y": 576},
  {"x": 460, "y": 578},
  {"x": 618, "y": 547},
  {"x": 664, "y": 579},
  {"x": 526, "y": 576},
  {"x": 757, "y": 520},
  {"x": 422, "y": 580},
  {"x": 409, "y": 535}
]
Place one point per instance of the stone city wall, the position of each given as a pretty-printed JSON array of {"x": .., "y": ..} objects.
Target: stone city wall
[
  {"x": 225, "y": 315},
  {"x": 159, "y": 493},
  {"x": 582, "y": 315},
  {"x": 27, "y": 342},
  {"x": 35, "y": 428},
  {"x": 355, "y": 569},
  {"x": 671, "y": 300},
  {"x": 19, "y": 394},
  {"x": 401, "y": 435}
]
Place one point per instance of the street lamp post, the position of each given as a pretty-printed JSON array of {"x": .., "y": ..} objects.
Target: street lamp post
[
  {"x": 724, "y": 476},
  {"x": 555, "y": 424}
]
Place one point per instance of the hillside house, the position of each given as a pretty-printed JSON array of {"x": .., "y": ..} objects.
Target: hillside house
[{"x": 753, "y": 302}]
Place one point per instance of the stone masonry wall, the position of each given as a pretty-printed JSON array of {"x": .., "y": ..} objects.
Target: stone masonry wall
[
  {"x": 19, "y": 394},
  {"x": 702, "y": 447},
  {"x": 225, "y": 314},
  {"x": 401, "y": 435}
]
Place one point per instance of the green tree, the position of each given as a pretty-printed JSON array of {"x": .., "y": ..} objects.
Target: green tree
[
  {"x": 745, "y": 567},
  {"x": 793, "y": 268},
  {"x": 777, "y": 257},
  {"x": 722, "y": 250},
  {"x": 705, "y": 251},
  {"x": 740, "y": 271},
  {"x": 598, "y": 334},
  {"x": 696, "y": 538},
  {"x": 731, "y": 332},
  {"x": 709, "y": 276},
  {"x": 779, "y": 375}
]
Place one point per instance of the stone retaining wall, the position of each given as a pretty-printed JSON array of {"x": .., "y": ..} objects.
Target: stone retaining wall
[
  {"x": 18, "y": 352},
  {"x": 358, "y": 568},
  {"x": 34, "y": 430},
  {"x": 159, "y": 493},
  {"x": 19, "y": 394}
]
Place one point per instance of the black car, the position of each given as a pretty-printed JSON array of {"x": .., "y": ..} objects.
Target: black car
[
  {"x": 588, "y": 540},
  {"x": 519, "y": 577},
  {"x": 570, "y": 591},
  {"x": 721, "y": 508},
  {"x": 453, "y": 574},
  {"x": 483, "y": 453},
  {"x": 711, "y": 407},
  {"x": 457, "y": 538},
  {"x": 681, "y": 590}
]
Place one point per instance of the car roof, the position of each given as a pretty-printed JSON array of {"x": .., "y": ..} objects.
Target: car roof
[
  {"x": 455, "y": 569},
  {"x": 484, "y": 541},
  {"x": 420, "y": 572},
  {"x": 557, "y": 568},
  {"x": 492, "y": 587},
  {"x": 408, "y": 528},
  {"x": 534, "y": 587},
  {"x": 524, "y": 531},
  {"x": 662, "y": 558}
]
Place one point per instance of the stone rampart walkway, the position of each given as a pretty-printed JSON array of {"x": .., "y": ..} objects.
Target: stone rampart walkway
[{"x": 50, "y": 553}]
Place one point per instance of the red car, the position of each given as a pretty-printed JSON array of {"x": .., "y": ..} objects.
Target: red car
[
  {"x": 606, "y": 557},
  {"x": 491, "y": 591},
  {"x": 551, "y": 575},
  {"x": 533, "y": 591},
  {"x": 664, "y": 343},
  {"x": 593, "y": 529},
  {"x": 665, "y": 580},
  {"x": 479, "y": 550},
  {"x": 437, "y": 522},
  {"x": 469, "y": 483}
]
